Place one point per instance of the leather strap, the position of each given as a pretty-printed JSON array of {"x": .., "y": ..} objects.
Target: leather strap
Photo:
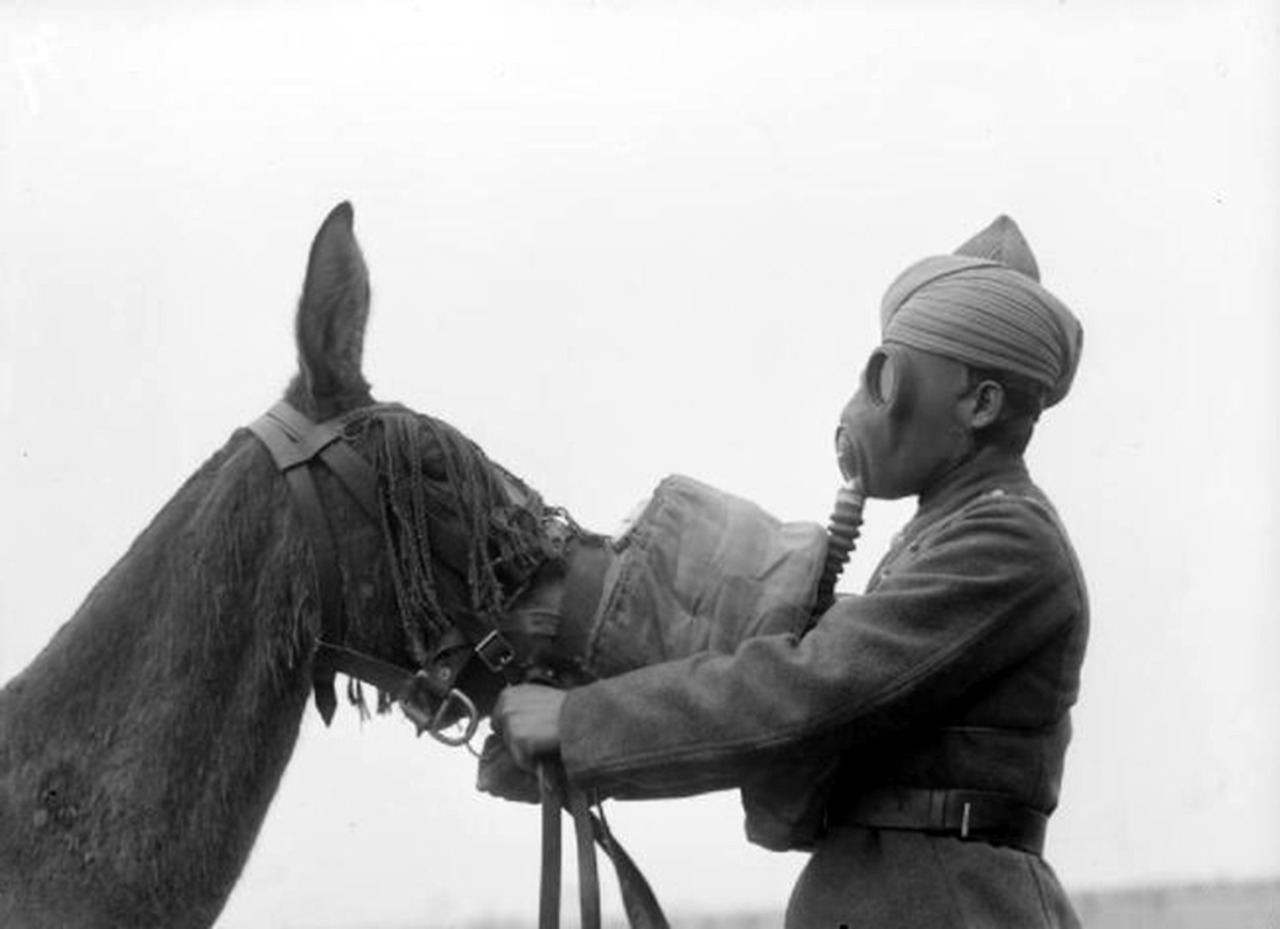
[
  {"x": 308, "y": 440},
  {"x": 965, "y": 814},
  {"x": 588, "y": 565},
  {"x": 638, "y": 900},
  {"x": 588, "y": 876},
  {"x": 642, "y": 907},
  {"x": 549, "y": 889},
  {"x": 294, "y": 442}
]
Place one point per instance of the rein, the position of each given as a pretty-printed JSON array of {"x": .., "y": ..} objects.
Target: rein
[{"x": 429, "y": 695}]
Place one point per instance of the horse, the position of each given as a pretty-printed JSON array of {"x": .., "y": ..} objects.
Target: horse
[{"x": 140, "y": 749}]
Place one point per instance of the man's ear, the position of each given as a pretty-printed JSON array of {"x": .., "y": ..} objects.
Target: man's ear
[{"x": 985, "y": 403}]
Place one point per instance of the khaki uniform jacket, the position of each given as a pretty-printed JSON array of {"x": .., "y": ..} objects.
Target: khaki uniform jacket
[{"x": 955, "y": 669}]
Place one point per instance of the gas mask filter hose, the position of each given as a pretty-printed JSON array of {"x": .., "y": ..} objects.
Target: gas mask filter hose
[{"x": 842, "y": 534}]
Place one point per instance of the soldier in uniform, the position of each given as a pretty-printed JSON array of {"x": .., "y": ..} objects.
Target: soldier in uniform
[{"x": 913, "y": 739}]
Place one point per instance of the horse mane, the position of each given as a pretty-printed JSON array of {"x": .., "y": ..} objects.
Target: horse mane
[{"x": 219, "y": 553}]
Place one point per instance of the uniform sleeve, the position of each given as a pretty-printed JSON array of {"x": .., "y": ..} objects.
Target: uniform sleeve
[{"x": 984, "y": 592}]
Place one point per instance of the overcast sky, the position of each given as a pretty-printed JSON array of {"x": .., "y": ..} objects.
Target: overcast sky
[{"x": 616, "y": 240}]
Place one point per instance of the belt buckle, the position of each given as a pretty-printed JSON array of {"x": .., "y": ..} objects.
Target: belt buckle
[
  {"x": 495, "y": 651},
  {"x": 943, "y": 811}
]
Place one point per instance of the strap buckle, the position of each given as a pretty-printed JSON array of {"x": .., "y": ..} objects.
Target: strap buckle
[{"x": 495, "y": 651}]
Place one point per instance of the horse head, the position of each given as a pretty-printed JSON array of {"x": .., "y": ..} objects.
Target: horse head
[{"x": 452, "y": 558}]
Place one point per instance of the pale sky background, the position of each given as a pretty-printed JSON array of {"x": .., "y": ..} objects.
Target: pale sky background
[{"x": 615, "y": 240}]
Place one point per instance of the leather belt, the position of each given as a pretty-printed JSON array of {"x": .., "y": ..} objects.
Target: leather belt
[{"x": 977, "y": 815}]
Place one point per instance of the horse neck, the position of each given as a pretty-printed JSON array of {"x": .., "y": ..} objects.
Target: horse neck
[{"x": 139, "y": 751}]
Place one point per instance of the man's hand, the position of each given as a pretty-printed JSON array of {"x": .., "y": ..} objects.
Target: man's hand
[{"x": 527, "y": 718}]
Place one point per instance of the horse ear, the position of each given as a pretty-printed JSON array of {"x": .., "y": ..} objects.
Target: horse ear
[{"x": 331, "y": 320}]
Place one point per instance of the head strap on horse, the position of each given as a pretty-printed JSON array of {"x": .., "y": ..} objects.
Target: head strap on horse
[{"x": 428, "y": 695}]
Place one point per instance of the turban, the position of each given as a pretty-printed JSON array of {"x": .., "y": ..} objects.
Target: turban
[{"x": 984, "y": 306}]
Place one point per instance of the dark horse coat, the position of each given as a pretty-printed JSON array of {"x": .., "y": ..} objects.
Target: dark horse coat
[{"x": 955, "y": 669}]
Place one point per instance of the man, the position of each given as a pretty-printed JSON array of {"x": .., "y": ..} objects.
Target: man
[{"x": 914, "y": 737}]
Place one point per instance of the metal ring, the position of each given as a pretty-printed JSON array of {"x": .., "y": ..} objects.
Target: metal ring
[{"x": 455, "y": 696}]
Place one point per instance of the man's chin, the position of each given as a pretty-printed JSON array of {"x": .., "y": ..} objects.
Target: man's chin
[{"x": 881, "y": 486}]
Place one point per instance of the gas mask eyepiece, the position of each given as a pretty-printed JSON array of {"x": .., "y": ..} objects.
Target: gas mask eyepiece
[{"x": 886, "y": 379}]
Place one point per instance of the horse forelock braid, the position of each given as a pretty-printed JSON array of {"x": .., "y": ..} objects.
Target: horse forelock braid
[{"x": 429, "y": 471}]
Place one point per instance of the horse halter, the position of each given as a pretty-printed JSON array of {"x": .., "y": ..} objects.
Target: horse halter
[{"x": 428, "y": 696}]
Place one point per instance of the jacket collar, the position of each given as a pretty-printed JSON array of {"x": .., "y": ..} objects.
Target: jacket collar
[{"x": 987, "y": 471}]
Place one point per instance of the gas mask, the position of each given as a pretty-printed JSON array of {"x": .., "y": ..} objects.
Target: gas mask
[
  {"x": 902, "y": 430},
  {"x": 897, "y": 437}
]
